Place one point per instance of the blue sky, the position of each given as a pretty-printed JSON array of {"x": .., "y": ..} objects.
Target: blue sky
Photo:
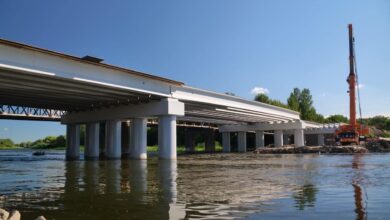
[{"x": 220, "y": 45}]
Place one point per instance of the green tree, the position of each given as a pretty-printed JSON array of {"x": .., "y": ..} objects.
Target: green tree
[
  {"x": 336, "y": 119},
  {"x": 262, "y": 98},
  {"x": 380, "y": 122},
  {"x": 306, "y": 105},
  {"x": 293, "y": 100},
  {"x": 6, "y": 143},
  {"x": 60, "y": 141}
]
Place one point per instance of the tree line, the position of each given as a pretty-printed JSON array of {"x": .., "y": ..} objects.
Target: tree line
[{"x": 302, "y": 102}]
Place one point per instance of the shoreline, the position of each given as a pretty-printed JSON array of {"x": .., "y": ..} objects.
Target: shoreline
[{"x": 376, "y": 147}]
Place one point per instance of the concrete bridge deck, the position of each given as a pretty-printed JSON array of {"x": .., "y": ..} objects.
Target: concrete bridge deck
[{"x": 88, "y": 91}]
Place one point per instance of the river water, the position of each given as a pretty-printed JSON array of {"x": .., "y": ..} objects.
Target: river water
[{"x": 202, "y": 186}]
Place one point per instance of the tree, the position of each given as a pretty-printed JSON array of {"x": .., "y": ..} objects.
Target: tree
[
  {"x": 293, "y": 100},
  {"x": 262, "y": 98},
  {"x": 380, "y": 122},
  {"x": 6, "y": 143},
  {"x": 306, "y": 108},
  {"x": 336, "y": 119},
  {"x": 60, "y": 141}
]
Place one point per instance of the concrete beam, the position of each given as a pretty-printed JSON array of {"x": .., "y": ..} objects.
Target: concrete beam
[
  {"x": 166, "y": 106},
  {"x": 262, "y": 126}
]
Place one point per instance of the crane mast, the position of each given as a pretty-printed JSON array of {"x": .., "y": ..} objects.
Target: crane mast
[
  {"x": 352, "y": 79},
  {"x": 353, "y": 132}
]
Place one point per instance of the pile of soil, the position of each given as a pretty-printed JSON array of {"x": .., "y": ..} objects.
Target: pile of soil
[{"x": 311, "y": 150}]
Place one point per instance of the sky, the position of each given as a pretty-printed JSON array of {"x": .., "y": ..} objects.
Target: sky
[{"x": 244, "y": 47}]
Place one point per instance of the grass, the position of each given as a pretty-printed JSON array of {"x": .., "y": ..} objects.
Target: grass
[
  {"x": 10, "y": 147},
  {"x": 180, "y": 149}
]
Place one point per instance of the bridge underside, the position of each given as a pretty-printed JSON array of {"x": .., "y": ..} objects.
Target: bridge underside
[
  {"x": 38, "y": 84},
  {"x": 18, "y": 88}
]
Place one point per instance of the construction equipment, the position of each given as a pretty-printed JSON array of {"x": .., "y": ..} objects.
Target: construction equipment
[{"x": 353, "y": 132}]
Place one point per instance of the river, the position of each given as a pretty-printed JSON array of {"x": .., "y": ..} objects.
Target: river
[{"x": 200, "y": 186}]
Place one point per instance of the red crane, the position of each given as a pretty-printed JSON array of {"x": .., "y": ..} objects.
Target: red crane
[{"x": 353, "y": 132}]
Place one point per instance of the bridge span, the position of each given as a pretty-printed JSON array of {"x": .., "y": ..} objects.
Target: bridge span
[{"x": 40, "y": 84}]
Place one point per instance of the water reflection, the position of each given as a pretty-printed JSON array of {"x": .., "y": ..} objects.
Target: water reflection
[
  {"x": 168, "y": 175},
  {"x": 129, "y": 187},
  {"x": 204, "y": 186},
  {"x": 357, "y": 184},
  {"x": 305, "y": 197}
]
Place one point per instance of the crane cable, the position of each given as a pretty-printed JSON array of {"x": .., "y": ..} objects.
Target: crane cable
[{"x": 357, "y": 82}]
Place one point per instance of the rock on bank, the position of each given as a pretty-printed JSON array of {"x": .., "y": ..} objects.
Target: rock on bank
[{"x": 311, "y": 149}]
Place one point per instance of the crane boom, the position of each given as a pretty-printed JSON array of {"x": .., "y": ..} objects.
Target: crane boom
[{"x": 352, "y": 79}]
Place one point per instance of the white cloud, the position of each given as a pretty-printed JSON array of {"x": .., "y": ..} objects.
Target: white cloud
[
  {"x": 259, "y": 90},
  {"x": 361, "y": 86},
  {"x": 5, "y": 129}
]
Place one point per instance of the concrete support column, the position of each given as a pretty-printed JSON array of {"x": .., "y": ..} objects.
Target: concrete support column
[
  {"x": 189, "y": 140},
  {"x": 113, "y": 139},
  {"x": 209, "y": 140},
  {"x": 92, "y": 141},
  {"x": 278, "y": 138},
  {"x": 241, "y": 141},
  {"x": 167, "y": 137},
  {"x": 299, "y": 138},
  {"x": 226, "y": 142},
  {"x": 286, "y": 139},
  {"x": 72, "y": 142},
  {"x": 139, "y": 137},
  {"x": 126, "y": 139},
  {"x": 321, "y": 140},
  {"x": 259, "y": 138}
]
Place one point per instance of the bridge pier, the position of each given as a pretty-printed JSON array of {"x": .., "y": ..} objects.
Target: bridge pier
[
  {"x": 209, "y": 142},
  {"x": 299, "y": 139},
  {"x": 167, "y": 137},
  {"x": 92, "y": 141},
  {"x": 189, "y": 140},
  {"x": 286, "y": 139},
  {"x": 241, "y": 141},
  {"x": 126, "y": 138},
  {"x": 321, "y": 139},
  {"x": 226, "y": 147},
  {"x": 113, "y": 139},
  {"x": 278, "y": 138},
  {"x": 259, "y": 138},
  {"x": 139, "y": 138},
  {"x": 72, "y": 141}
]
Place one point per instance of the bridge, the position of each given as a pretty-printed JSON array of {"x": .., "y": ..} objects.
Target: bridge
[{"x": 39, "y": 84}]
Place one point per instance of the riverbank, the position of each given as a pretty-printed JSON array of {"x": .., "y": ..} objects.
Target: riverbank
[
  {"x": 311, "y": 150},
  {"x": 381, "y": 146}
]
